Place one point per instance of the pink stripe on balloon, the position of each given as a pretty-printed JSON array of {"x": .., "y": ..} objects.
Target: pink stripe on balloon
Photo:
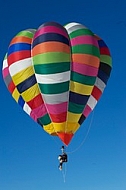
[
  {"x": 84, "y": 40},
  {"x": 50, "y": 29},
  {"x": 5, "y": 72},
  {"x": 87, "y": 111},
  {"x": 57, "y": 108},
  {"x": 38, "y": 112},
  {"x": 84, "y": 69}
]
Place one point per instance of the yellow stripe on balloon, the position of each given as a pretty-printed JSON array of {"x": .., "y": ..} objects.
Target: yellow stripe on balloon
[
  {"x": 15, "y": 94},
  {"x": 72, "y": 127},
  {"x": 23, "y": 75},
  {"x": 49, "y": 128},
  {"x": 59, "y": 127},
  {"x": 72, "y": 117},
  {"x": 30, "y": 93},
  {"x": 80, "y": 88}
]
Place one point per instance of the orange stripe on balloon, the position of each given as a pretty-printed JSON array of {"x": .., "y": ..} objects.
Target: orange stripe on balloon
[
  {"x": 21, "y": 39},
  {"x": 86, "y": 59},
  {"x": 50, "y": 47},
  {"x": 97, "y": 37}
]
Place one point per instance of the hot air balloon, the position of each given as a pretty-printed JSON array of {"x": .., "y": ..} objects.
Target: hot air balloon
[{"x": 57, "y": 75}]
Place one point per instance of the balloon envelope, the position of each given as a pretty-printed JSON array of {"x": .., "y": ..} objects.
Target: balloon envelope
[{"x": 57, "y": 75}]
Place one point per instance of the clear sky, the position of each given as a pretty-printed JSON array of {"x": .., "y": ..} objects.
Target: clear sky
[{"x": 28, "y": 155}]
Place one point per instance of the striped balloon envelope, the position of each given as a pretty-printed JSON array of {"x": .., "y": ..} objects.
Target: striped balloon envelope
[{"x": 57, "y": 75}]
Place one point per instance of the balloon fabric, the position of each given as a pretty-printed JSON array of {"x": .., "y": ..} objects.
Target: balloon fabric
[{"x": 57, "y": 75}]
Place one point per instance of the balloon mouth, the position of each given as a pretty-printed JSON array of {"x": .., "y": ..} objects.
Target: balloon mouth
[{"x": 65, "y": 137}]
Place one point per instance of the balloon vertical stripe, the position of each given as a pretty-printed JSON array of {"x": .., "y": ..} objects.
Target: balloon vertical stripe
[
  {"x": 24, "y": 86},
  {"x": 101, "y": 80},
  {"x": 51, "y": 52},
  {"x": 85, "y": 54}
]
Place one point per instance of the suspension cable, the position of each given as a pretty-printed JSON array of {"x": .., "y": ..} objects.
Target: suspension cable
[
  {"x": 64, "y": 172},
  {"x": 83, "y": 141}
]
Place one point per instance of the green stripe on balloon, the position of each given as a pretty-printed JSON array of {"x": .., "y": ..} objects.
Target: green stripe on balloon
[
  {"x": 87, "y": 80},
  {"x": 26, "y": 34},
  {"x": 52, "y": 68},
  {"x": 86, "y": 49},
  {"x": 75, "y": 108},
  {"x": 106, "y": 59},
  {"x": 52, "y": 57},
  {"x": 54, "y": 88},
  {"x": 45, "y": 120},
  {"x": 81, "y": 32}
]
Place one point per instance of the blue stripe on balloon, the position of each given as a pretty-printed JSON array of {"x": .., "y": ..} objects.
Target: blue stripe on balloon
[
  {"x": 105, "y": 68},
  {"x": 50, "y": 37},
  {"x": 103, "y": 76},
  {"x": 81, "y": 120},
  {"x": 101, "y": 43},
  {"x": 78, "y": 98},
  {"x": 21, "y": 102},
  {"x": 26, "y": 84},
  {"x": 18, "y": 47}
]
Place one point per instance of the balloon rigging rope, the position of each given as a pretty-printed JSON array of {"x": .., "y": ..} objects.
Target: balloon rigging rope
[
  {"x": 83, "y": 141},
  {"x": 64, "y": 173},
  {"x": 65, "y": 165},
  {"x": 53, "y": 137}
]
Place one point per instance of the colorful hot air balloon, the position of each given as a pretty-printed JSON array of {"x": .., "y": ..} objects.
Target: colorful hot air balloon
[{"x": 57, "y": 75}]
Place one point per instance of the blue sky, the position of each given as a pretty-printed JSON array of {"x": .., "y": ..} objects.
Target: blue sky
[{"x": 28, "y": 155}]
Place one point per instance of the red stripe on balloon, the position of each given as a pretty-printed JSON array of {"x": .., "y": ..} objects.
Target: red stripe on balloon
[
  {"x": 11, "y": 87},
  {"x": 96, "y": 93},
  {"x": 58, "y": 118},
  {"x": 17, "y": 56},
  {"x": 104, "y": 51},
  {"x": 35, "y": 102}
]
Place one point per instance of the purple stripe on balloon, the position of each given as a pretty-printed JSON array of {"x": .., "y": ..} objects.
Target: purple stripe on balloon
[
  {"x": 84, "y": 69},
  {"x": 87, "y": 111},
  {"x": 38, "y": 112},
  {"x": 5, "y": 72},
  {"x": 84, "y": 40},
  {"x": 57, "y": 108},
  {"x": 50, "y": 29}
]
